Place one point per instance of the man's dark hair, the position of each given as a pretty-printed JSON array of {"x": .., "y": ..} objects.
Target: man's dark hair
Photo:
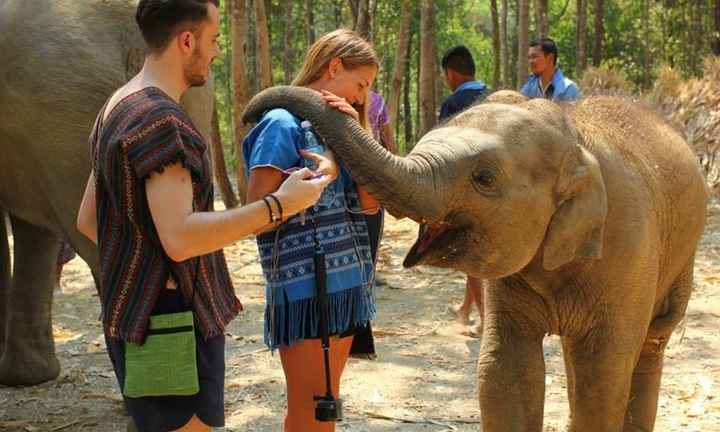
[
  {"x": 160, "y": 20},
  {"x": 547, "y": 45},
  {"x": 459, "y": 59}
]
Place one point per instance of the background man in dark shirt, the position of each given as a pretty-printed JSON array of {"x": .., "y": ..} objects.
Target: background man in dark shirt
[{"x": 459, "y": 73}]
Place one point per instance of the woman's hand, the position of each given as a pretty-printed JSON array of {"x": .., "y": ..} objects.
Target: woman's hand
[
  {"x": 301, "y": 190},
  {"x": 340, "y": 104},
  {"x": 324, "y": 162}
]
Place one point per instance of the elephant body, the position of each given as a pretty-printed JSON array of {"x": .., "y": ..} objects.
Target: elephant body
[
  {"x": 62, "y": 59},
  {"x": 582, "y": 218}
]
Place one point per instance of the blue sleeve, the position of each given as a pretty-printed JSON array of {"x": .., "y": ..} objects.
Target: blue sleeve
[
  {"x": 572, "y": 93},
  {"x": 525, "y": 89},
  {"x": 275, "y": 142}
]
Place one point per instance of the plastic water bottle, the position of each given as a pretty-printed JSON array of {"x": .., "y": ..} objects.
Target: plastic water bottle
[{"x": 314, "y": 146}]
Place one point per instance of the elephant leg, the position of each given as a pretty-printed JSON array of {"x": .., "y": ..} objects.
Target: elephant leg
[
  {"x": 511, "y": 367},
  {"x": 29, "y": 356},
  {"x": 601, "y": 370},
  {"x": 5, "y": 272},
  {"x": 642, "y": 407}
]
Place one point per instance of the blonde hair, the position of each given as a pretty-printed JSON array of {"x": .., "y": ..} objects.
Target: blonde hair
[{"x": 352, "y": 50}]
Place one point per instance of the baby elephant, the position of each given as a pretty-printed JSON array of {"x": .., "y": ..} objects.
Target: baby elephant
[{"x": 584, "y": 218}]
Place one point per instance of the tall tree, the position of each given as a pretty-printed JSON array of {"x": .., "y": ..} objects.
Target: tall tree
[
  {"x": 504, "y": 45},
  {"x": 363, "y": 22},
  {"x": 287, "y": 43},
  {"x": 542, "y": 27},
  {"x": 310, "y": 22},
  {"x": 401, "y": 59},
  {"x": 262, "y": 44},
  {"x": 218, "y": 163},
  {"x": 581, "y": 37},
  {"x": 495, "y": 43},
  {"x": 241, "y": 91},
  {"x": 599, "y": 12},
  {"x": 427, "y": 66},
  {"x": 522, "y": 52},
  {"x": 646, "y": 43},
  {"x": 716, "y": 33},
  {"x": 407, "y": 108}
]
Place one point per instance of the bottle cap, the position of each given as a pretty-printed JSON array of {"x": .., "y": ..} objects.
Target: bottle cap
[{"x": 305, "y": 124}]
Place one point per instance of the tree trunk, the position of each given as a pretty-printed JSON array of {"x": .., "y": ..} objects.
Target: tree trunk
[
  {"x": 581, "y": 38},
  {"x": 716, "y": 38},
  {"x": 427, "y": 66},
  {"x": 287, "y": 44},
  {"x": 495, "y": 43},
  {"x": 354, "y": 11},
  {"x": 310, "y": 15},
  {"x": 401, "y": 59},
  {"x": 504, "y": 51},
  {"x": 407, "y": 109},
  {"x": 599, "y": 10},
  {"x": 541, "y": 18},
  {"x": 522, "y": 62},
  {"x": 362, "y": 24},
  {"x": 262, "y": 43},
  {"x": 218, "y": 164},
  {"x": 240, "y": 90},
  {"x": 646, "y": 47}
]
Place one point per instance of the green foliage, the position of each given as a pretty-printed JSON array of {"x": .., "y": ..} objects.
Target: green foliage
[{"x": 675, "y": 33}]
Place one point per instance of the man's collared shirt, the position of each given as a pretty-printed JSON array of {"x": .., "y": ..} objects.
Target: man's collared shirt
[
  {"x": 464, "y": 95},
  {"x": 559, "y": 88}
]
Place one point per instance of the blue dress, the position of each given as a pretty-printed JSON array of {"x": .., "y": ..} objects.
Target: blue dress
[{"x": 333, "y": 227}]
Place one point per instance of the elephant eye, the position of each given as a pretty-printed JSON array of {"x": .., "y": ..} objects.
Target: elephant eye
[{"x": 484, "y": 179}]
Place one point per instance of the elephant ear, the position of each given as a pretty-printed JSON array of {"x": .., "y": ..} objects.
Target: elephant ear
[{"x": 576, "y": 229}]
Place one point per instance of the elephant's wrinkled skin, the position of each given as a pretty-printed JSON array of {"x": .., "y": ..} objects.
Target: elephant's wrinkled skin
[
  {"x": 584, "y": 217},
  {"x": 61, "y": 59}
]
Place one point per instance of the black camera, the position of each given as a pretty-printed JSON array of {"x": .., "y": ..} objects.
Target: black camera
[{"x": 328, "y": 409}]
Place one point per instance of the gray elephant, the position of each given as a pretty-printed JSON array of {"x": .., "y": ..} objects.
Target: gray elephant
[
  {"x": 61, "y": 60},
  {"x": 585, "y": 218}
]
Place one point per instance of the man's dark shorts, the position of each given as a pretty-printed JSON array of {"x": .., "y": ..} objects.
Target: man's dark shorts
[{"x": 167, "y": 413}]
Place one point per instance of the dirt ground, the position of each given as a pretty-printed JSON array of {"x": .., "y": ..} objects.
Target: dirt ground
[{"x": 423, "y": 379}]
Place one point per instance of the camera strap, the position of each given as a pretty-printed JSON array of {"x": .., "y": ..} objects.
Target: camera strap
[{"x": 322, "y": 300}]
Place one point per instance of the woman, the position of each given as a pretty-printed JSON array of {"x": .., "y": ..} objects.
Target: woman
[{"x": 341, "y": 66}]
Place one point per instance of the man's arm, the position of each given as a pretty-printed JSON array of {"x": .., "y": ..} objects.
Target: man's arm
[
  {"x": 87, "y": 214},
  {"x": 185, "y": 234}
]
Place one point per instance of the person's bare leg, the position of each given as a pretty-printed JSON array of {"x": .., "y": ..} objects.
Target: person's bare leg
[
  {"x": 195, "y": 425},
  {"x": 304, "y": 368},
  {"x": 462, "y": 311}
]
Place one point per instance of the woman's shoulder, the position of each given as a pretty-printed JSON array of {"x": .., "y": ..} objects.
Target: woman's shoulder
[{"x": 281, "y": 116}]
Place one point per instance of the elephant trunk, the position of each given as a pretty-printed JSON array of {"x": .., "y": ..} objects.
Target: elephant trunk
[{"x": 402, "y": 184}]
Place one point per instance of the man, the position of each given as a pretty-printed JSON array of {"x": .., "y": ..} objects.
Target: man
[
  {"x": 547, "y": 80},
  {"x": 148, "y": 206},
  {"x": 459, "y": 73}
]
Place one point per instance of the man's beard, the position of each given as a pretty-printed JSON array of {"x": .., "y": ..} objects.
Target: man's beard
[{"x": 193, "y": 77}]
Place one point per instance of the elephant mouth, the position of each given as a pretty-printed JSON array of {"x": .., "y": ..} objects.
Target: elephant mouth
[{"x": 431, "y": 238}]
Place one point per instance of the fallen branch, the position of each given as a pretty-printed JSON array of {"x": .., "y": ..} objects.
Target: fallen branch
[
  {"x": 417, "y": 420},
  {"x": 65, "y": 426}
]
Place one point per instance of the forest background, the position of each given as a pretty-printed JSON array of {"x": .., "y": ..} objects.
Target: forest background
[{"x": 643, "y": 48}]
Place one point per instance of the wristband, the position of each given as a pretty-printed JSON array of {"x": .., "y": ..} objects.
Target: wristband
[{"x": 277, "y": 201}]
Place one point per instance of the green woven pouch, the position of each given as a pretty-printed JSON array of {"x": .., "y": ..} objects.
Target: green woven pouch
[{"x": 165, "y": 365}]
